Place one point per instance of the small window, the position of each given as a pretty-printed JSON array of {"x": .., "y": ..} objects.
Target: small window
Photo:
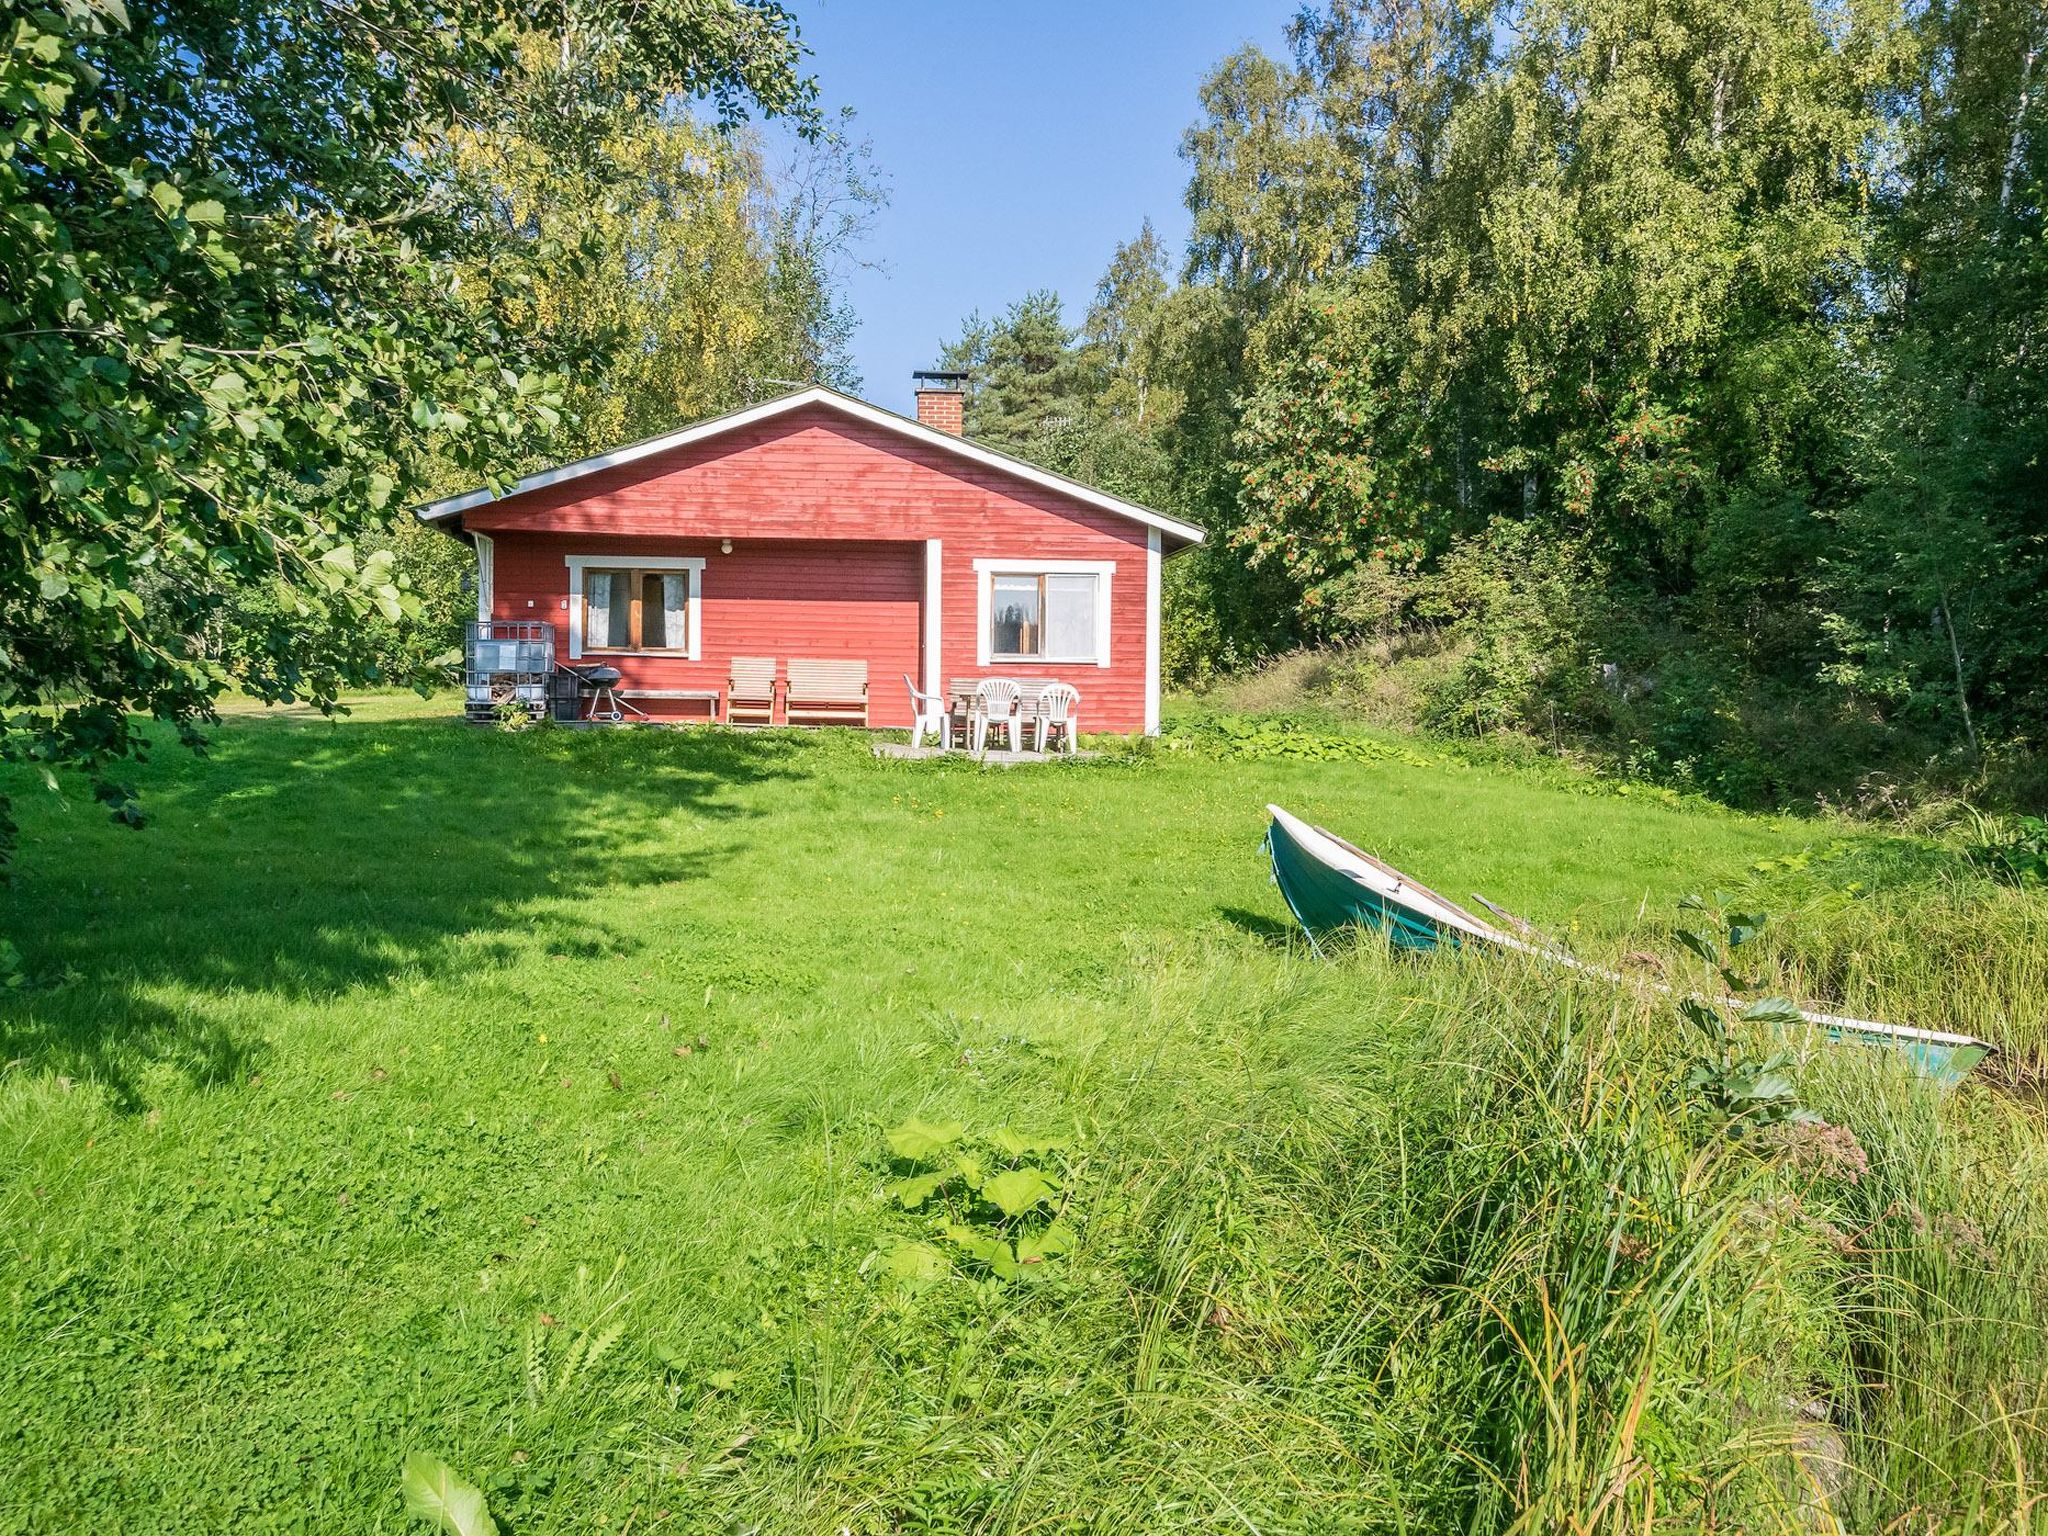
[
  {"x": 1049, "y": 617},
  {"x": 629, "y": 610}
]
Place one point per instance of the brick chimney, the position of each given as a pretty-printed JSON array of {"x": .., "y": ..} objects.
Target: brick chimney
[{"x": 941, "y": 399}]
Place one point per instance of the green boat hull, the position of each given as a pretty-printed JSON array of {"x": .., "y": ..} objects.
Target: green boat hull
[
  {"x": 1947, "y": 1064},
  {"x": 1326, "y": 900}
]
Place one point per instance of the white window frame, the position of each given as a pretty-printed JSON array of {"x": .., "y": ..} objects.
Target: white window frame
[
  {"x": 985, "y": 572},
  {"x": 691, "y": 565},
  {"x": 486, "y": 577}
]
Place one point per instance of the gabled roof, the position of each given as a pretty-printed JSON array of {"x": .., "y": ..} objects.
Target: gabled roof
[{"x": 845, "y": 405}]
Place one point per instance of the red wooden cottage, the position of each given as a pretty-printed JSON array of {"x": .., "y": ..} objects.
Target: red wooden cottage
[{"x": 816, "y": 526}]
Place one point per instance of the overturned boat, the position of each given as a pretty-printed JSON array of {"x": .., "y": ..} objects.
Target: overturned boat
[{"x": 1330, "y": 885}]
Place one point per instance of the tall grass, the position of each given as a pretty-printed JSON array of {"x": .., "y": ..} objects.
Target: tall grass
[
  {"x": 1911, "y": 931},
  {"x": 1412, "y": 1247},
  {"x": 1490, "y": 1255},
  {"x": 521, "y": 1099}
]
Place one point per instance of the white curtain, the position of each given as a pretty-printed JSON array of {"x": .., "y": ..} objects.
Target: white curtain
[
  {"x": 675, "y": 626},
  {"x": 597, "y": 609},
  {"x": 1070, "y": 617}
]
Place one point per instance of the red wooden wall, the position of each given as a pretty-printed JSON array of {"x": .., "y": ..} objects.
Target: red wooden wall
[
  {"x": 828, "y": 518},
  {"x": 775, "y": 597}
]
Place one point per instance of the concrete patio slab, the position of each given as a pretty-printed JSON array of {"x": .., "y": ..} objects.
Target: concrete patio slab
[{"x": 994, "y": 756}]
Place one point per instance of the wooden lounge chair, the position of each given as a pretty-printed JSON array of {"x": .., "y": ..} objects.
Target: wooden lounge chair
[
  {"x": 826, "y": 693},
  {"x": 750, "y": 695}
]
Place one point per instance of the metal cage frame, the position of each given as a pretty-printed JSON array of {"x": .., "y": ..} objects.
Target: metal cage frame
[{"x": 505, "y": 660}]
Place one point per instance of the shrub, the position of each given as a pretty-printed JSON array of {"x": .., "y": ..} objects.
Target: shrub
[{"x": 1523, "y": 600}]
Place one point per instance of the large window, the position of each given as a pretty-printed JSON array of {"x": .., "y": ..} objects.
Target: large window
[
  {"x": 646, "y": 605},
  {"x": 1053, "y": 611}
]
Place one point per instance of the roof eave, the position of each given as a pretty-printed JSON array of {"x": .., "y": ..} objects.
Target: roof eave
[{"x": 816, "y": 394}]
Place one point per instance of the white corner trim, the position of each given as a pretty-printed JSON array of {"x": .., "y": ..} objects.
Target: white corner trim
[
  {"x": 934, "y": 631},
  {"x": 486, "y": 577},
  {"x": 693, "y": 564},
  {"x": 1153, "y": 632},
  {"x": 846, "y": 405},
  {"x": 984, "y": 584}
]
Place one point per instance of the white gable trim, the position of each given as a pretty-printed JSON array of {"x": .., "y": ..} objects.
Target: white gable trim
[{"x": 846, "y": 405}]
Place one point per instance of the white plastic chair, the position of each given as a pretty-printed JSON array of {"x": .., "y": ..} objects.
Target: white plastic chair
[
  {"x": 995, "y": 703},
  {"x": 928, "y": 714},
  {"x": 1059, "y": 710}
]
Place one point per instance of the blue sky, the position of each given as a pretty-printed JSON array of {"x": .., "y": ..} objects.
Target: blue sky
[{"x": 1020, "y": 144}]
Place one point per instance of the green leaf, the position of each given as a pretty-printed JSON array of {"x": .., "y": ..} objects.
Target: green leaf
[
  {"x": 1743, "y": 927},
  {"x": 380, "y": 487},
  {"x": 1773, "y": 1010},
  {"x": 1763, "y": 1085},
  {"x": 1018, "y": 1190},
  {"x": 911, "y": 1193},
  {"x": 919, "y": 1263},
  {"x": 916, "y": 1140},
  {"x": 207, "y": 212},
  {"x": 433, "y": 1492},
  {"x": 167, "y": 197},
  {"x": 1700, "y": 1015},
  {"x": 998, "y": 1255},
  {"x": 1056, "y": 1239},
  {"x": 1701, "y": 943}
]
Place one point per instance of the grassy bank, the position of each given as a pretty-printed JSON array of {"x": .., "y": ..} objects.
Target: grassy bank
[
  {"x": 1757, "y": 750},
  {"x": 523, "y": 1098}
]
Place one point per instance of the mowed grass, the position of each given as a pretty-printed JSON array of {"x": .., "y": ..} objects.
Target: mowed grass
[{"x": 520, "y": 1098}]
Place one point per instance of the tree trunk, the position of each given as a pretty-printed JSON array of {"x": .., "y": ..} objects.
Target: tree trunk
[
  {"x": 1955, "y": 653},
  {"x": 2016, "y": 149}
]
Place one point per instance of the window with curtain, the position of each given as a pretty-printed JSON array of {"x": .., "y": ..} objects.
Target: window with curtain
[
  {"x": 1048, "y": 617},
  {"x": 629, "y": 610}
]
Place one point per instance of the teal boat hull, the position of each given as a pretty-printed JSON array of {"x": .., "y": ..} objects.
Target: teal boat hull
[
  {"x": 1326, "y": 901},
  {"x": 1937, "y": 1059},
  {"x": 1330, "y": 886}
]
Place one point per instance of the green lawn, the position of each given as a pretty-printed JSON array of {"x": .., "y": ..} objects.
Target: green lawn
[{"x": 520, "y": 1098}]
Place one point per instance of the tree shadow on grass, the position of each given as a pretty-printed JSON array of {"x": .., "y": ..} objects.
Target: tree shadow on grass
[{"x": 302, "y": 860}]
